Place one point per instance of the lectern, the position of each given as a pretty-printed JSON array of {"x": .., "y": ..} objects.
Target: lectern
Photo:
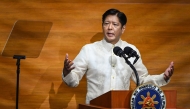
[{"x": 121, "y": 99}]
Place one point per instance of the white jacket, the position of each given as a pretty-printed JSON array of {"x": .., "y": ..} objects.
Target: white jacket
[{"x": 105, "y": 71}]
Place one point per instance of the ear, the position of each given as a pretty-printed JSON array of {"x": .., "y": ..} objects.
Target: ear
[{"x": 123, "y": 28}]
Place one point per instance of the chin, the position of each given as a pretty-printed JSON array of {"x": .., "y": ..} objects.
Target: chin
[{"x": 110, "y": 41}]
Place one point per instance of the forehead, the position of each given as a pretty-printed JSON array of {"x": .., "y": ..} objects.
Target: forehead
[{"x": 112, "y": 18}]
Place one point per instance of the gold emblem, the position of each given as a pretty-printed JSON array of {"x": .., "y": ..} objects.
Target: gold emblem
[{"x": 148, "y": 102}]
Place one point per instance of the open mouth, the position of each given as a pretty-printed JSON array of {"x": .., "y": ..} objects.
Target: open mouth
[{"x": 110, "y": 34}]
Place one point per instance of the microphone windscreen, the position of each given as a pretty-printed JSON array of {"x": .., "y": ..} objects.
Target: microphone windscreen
[
  {"x": 128, "y": 50},
  {"x": 117, "y": 51}
]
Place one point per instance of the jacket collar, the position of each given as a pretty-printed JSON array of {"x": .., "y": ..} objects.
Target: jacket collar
[{"x": 109, "y": 46}]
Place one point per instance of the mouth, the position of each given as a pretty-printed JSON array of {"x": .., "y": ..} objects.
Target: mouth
[{"x": 110, "y": 34}]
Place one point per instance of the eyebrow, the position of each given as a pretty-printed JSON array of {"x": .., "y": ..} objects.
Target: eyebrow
[{"x": 111, "y": 21}]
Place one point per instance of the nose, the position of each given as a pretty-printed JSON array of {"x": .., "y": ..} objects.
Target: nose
[{"x": 110, "y": 26}]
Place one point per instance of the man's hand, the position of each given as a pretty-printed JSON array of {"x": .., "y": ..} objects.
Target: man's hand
[
  {"x": 67, "y": 65},
  {"x": 169, "y": 72}
]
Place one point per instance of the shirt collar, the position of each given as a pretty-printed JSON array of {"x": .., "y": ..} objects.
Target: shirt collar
[{"x": 109, "y": 46}]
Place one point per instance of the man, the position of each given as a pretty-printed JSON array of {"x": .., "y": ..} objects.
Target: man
[{"x": 104, "y": 70}]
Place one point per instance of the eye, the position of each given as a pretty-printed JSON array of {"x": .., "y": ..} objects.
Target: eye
[
  {"x": 115, "y": 24},
  {"x": 106, "y": 23}
]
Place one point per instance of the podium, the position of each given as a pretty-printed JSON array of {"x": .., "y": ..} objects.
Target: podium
[{"x": 121, "y": 99}]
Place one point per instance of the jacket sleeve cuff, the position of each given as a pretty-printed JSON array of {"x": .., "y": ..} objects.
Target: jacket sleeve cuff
[
  {"x": 69, "y": 80},
  {"x": 162, "y": 81}
]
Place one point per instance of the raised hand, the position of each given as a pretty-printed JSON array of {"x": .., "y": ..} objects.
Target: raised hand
[
  {"x": 67, "y": 65},
  {"x": 169, "y": 72}
]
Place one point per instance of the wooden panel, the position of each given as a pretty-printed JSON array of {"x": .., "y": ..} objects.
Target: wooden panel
[
  {"x": 113, "y": 99},
  {"x": 159, "y": 28},
  {"x": 101, "y": 1},
  {"x": 121, "y": 99}
]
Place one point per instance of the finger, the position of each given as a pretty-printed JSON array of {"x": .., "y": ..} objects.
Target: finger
[
  {"x": 71, "y": 68},
  {"x": 172, "y": 68},
  {"x": 68, "y": 64},
  {"x": 169, "y": 73},
  {"x": 166, "y": 77},
  {"x": 171, "y": 64},
  {"x": 66, "y": 58},
  {"x": 67, "y": 55}
]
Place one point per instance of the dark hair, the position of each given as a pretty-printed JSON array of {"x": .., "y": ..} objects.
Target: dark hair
[{"x": 122, "y": 17}]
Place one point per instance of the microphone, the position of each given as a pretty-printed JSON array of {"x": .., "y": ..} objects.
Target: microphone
[
  {"x": 119, "y": 52},
  {"x": 131, "y": 53}
]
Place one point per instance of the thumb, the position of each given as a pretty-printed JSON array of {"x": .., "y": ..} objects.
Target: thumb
[
  {"x": 171, "y": 64},
  {"x": 66, "y": 56}
]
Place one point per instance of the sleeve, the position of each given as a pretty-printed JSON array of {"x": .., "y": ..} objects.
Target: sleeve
[
  {"x": 144, "y": 77},
  {"x": 80, "y": 63}
]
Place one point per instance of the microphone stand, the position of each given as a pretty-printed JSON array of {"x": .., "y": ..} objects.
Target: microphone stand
[
  {"x": 18, "y": 57},
  {"x": 133, "y": 68}
]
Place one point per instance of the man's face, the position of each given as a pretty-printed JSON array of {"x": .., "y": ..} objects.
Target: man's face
[{"x": 112, "y": 29}]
